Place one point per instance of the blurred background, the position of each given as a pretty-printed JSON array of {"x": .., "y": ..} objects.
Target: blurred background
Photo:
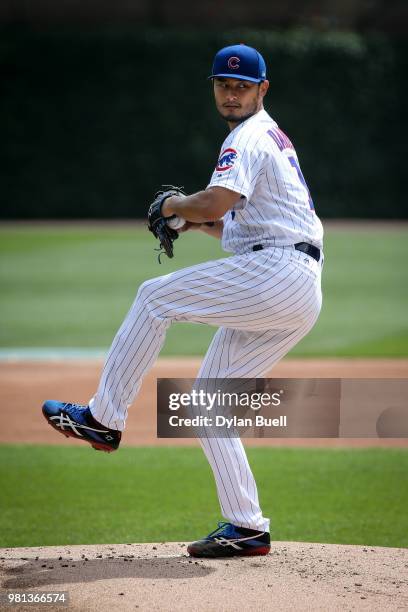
[{"x": 103, "y": 101}]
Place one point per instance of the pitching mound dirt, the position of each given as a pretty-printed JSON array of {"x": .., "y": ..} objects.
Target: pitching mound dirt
[{"x": 294, "y": 576}]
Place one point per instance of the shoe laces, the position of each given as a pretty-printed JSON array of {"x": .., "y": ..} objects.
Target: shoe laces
[
  {"x": 225, "y": 529},
  {"x": 76, "y": 411}
]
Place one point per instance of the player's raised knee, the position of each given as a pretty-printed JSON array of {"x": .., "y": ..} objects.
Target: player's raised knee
[{"x": 150, "y": 289}]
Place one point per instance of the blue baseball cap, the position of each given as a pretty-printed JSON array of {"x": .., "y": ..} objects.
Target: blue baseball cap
[{"x": 239, "y": 62}]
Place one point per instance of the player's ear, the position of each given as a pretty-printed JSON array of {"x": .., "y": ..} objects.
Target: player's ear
[{"x": 264, "y": 86}]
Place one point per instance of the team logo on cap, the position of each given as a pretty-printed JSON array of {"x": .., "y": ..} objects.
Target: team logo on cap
[
  {"x": 233, "y": 63},
  {"x": 226, "y": 160}
]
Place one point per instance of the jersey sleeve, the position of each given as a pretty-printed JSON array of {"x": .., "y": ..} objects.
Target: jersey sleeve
[{"x": 237, "y": 167}]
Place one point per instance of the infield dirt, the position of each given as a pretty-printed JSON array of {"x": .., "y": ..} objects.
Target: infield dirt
[{"x": 24, "y": 386}]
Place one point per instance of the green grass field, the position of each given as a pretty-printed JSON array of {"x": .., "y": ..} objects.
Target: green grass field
[
  {"x": 64, "y": 286},
  {"x": 59, "y": 495}
]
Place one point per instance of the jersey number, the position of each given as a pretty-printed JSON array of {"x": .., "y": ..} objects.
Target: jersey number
[{"x": 295, "y": 164}]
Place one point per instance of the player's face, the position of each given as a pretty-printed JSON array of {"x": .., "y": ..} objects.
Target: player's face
[{"x": 238, "y": 100}]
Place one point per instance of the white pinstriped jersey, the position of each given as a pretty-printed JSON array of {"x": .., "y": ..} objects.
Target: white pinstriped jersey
[{"x": 258, "y": 161}]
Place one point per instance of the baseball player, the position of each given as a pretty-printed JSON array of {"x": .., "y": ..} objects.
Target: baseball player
[{"x": 264, "y": 298}]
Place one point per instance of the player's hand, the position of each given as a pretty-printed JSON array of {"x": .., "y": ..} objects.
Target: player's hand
[{"x": 166, "y": 209}]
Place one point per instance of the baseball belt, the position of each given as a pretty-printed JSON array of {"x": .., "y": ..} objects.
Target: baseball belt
[{"x": 305, "y": 247}]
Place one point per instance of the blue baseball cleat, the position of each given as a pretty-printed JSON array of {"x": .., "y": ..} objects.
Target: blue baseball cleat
[
  {"x": 77, "y": 421},
  {"x": 231, "y": 541}
]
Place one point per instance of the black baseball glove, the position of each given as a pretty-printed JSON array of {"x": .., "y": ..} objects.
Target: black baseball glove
[{"x": 158, "y": 224}]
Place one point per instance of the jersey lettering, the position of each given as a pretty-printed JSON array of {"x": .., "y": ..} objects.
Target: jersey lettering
[
  {"x": 280, "y": 138},
  {"x": 295, "y": 164}
]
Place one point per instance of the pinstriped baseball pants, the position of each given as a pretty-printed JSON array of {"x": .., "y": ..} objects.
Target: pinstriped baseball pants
[{"x": 263, "y": 302}]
